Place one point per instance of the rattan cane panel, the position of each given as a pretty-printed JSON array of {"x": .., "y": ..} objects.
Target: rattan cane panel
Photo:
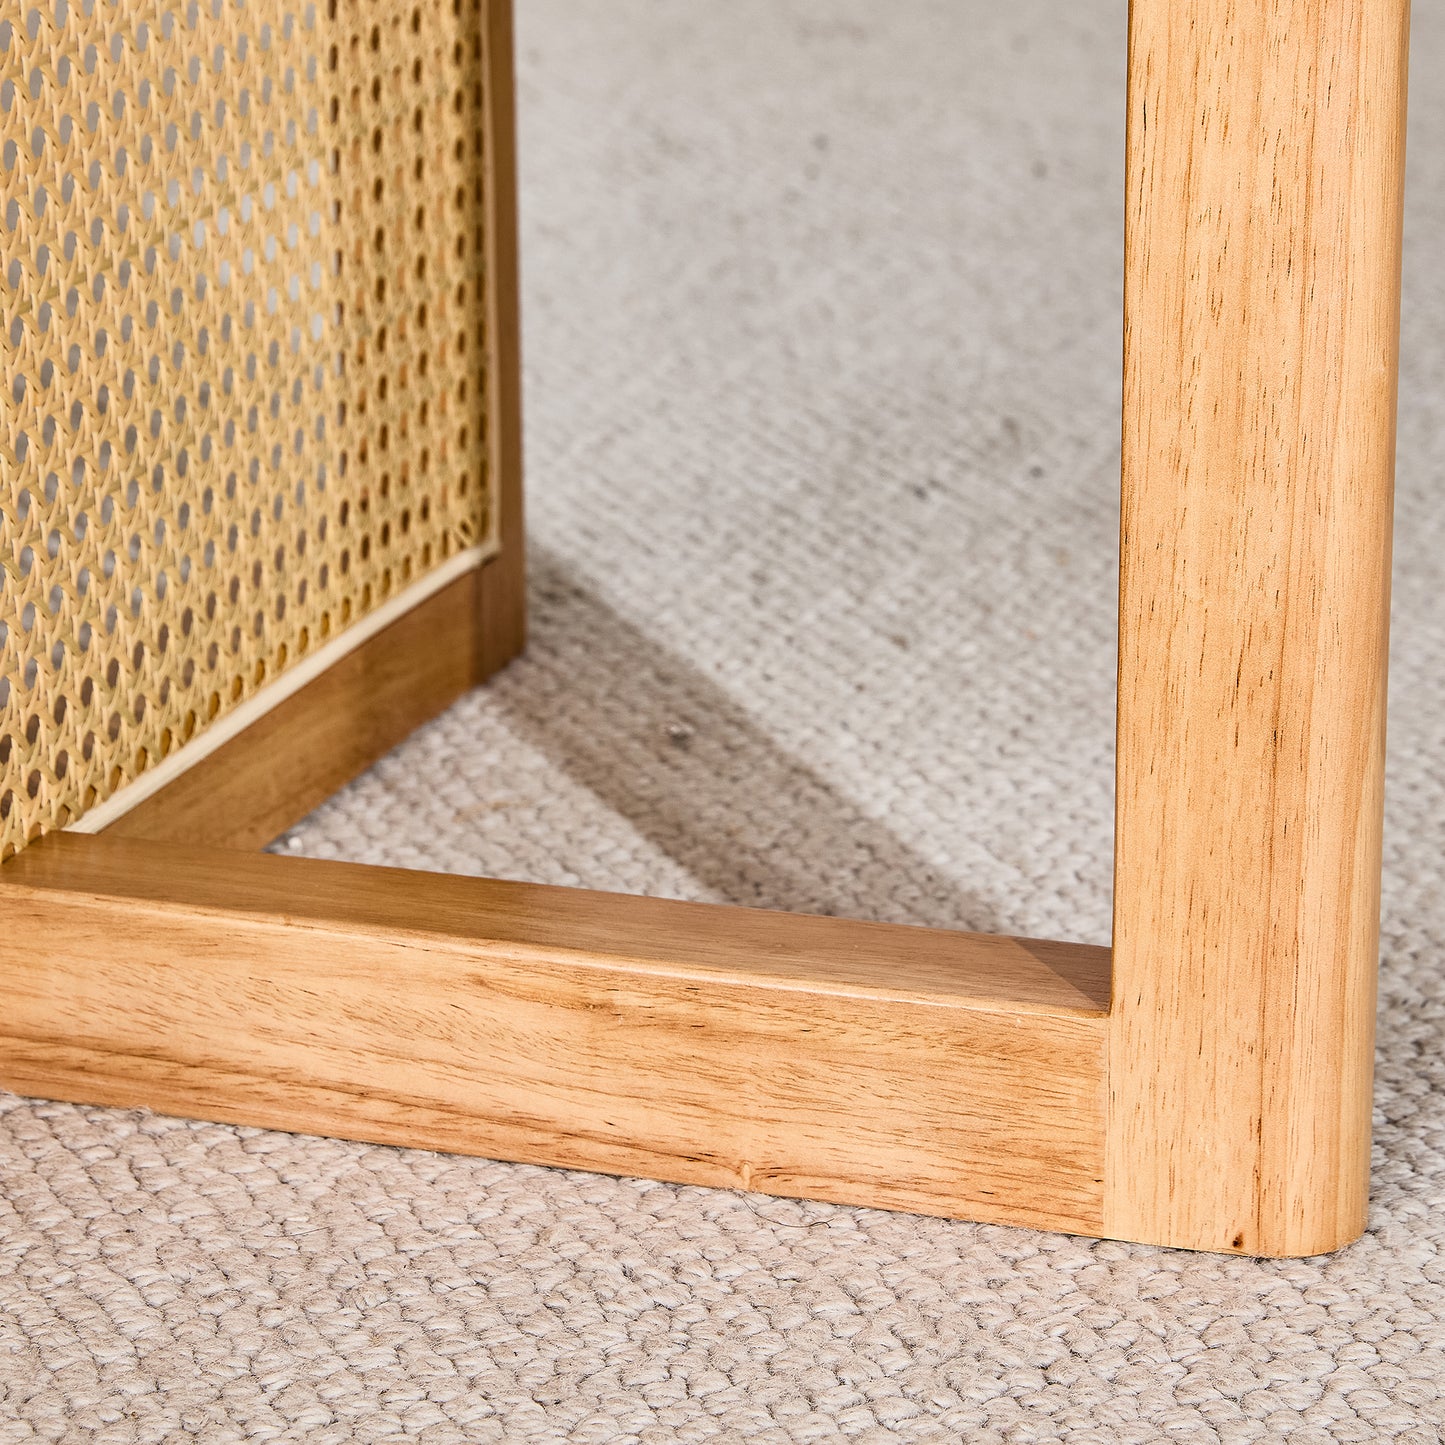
[{"x": 242, "y": 250}]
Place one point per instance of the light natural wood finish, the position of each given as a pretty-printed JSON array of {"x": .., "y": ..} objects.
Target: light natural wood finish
[
  {"x": 1218, "y": 1098},
  {"x": 1265, "y": 163},
  {"x": 503, "y": 585},
  {"x": 897, "y": 1067},
  {"x": 275, "y": 772}
]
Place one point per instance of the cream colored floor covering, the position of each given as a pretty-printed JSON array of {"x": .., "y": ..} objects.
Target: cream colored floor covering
[{"x": 822, "y": 323}]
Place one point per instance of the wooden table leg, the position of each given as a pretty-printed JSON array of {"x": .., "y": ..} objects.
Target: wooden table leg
[{"x": 1265, "y": 166}]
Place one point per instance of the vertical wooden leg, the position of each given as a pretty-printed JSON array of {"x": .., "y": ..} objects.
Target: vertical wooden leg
[
  {"x": 1265, "y": 162},
  {"x": 503, "y": 602}
]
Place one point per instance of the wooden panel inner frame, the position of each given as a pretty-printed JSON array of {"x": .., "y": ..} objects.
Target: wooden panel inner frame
[{"x": 1207, "y": 1086}]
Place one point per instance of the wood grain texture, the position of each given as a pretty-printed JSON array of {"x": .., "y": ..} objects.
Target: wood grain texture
[
  {"x": 503, "y": 598},
  {"x": 281, "y": 767},
  {"x": 1265, "y": 162},
  {"x": 899, "y": 1067}
]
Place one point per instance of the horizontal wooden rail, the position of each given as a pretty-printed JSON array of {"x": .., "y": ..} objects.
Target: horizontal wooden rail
[
  {"x": 272, "y": 774},
  {"x": 947, "y": 1073}
]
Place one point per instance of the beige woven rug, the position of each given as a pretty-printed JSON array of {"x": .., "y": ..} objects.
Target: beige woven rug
[{"x": 822, "y": 319}]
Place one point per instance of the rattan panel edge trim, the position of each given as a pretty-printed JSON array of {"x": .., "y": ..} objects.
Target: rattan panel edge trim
[{"x": 287, "y": 685}]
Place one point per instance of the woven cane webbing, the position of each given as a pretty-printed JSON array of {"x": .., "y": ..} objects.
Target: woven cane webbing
[{"x": 241, "y": 289}]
